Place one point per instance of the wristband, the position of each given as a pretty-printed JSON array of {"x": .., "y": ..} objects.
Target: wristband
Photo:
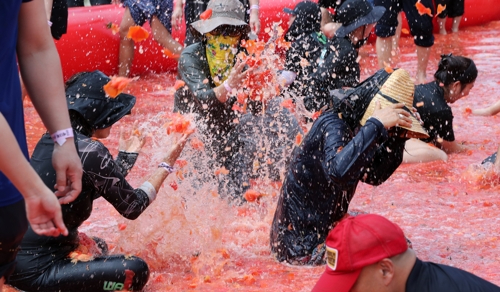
[
  {"x": 254, "y": 6},
  {"x": 148, "y": 188},
  {"x": 227, "y": 87},
  {"x": 49, "y": 23},
  {"x": 60, "y": 136},
  {"x": 166, "y": 166}
]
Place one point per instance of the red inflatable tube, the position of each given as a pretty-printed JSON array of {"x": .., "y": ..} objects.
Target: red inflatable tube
[{"x": 90, "y": 45}]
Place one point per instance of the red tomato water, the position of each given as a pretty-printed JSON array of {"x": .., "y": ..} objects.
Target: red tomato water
[{"x": 192, "y": 240}]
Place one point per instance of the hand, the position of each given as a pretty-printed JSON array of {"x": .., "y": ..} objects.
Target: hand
[
  {"x": 44, "y": 213},
  {"x": 177, "y": 17},
  {"x": 176, "y": 149},
  {"x": 68, "y": 167},
  {"x": 254, "y": 21},
  {"x": 392, "y": 115},
  {"x": 237, "y": 74},
  {"x": 135, "y": 141}
]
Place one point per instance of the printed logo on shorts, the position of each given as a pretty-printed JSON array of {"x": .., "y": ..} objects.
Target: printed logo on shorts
[
  {"x": 332, "y": 255},
  {"x": 112, "y": 286}
]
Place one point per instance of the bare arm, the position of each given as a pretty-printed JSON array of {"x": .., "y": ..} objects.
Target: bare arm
[
  {"x": 452, "y": 147},
  {"x": 254, "y": 17},
  {"x": 177, "y": 14},
  {"x": 161, "y": 174},
  {"x": 48, "y": 8},
  {"x": 42, "y": 76},
  {"x": 489, "y": 111},
  {"x": 42, "y": 208}
]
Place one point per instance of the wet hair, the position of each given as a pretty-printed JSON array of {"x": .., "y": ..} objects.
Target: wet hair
[
  {"x": 455, "y": 68},
  {"x": 73, "y": 78},
  {"x": 79, "y": 124}
]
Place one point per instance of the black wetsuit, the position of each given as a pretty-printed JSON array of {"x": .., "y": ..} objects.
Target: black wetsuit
[
  {"x": 431, "y": 277},
  {"x": 434, "y": 112},
  {"x": 43, "y": 263},
  {"x": 321, "y": 180}
]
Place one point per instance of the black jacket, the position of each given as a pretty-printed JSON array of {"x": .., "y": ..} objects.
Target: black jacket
[
  {"x": 339, "y": 69},
  {"x": 321, "y": 180}
]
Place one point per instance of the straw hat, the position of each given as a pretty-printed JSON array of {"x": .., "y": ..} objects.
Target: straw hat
[{"x": 397, "y": 89}]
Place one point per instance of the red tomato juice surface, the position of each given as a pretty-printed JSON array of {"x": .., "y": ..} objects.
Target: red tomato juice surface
[{"x": 195, "y": 241}]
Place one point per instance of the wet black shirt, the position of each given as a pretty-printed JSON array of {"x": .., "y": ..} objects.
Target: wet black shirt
[
  {"x": 431, "y": 277},
  {"x": 321, "y": 180},
  {"x": 102, "y": 177},
  {"x": 339, "y": 69},
  {"x": 434, "y": 111}
]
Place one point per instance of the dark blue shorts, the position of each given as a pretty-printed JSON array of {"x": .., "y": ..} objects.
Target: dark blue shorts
[
  {"x": 420, "y": 25},
  {"x": 454, "y": 8},
  {"x": 144, "y": 10},
  {"x": 13, "y": 225}
]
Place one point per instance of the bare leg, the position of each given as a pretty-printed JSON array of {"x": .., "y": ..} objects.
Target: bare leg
[
  {"x": 384, "y": 49},
  {"x": 456, "y": 23},
  {"x": 417, "y": 151},
  {"x": 422, "y": 61},
  {"x": 164, "y": 38},
  {"x": 2, "y": 280},
  {"x": 126, "y": 53},
  {"x": 442, "y": 25}
]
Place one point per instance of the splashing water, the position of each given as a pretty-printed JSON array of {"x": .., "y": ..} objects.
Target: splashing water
[{"x": 192, "y": 239}]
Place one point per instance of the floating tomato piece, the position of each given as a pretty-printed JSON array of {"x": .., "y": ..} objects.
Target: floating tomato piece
[
  {"x": 178, "y": 124},
  {"x": 422, "y": 9},
  {"x": 122, "y": 226},
  {"x": 251, "y": 195},
  {"x": 116, "y": 86},
  {"x": 298, "y": 139},
  {"x": 170, "y": 54},
  {"x": 113, "y": 27},
  {"x": 440, "y": 9},
  {"x": 178, "y": 84},
  {"x": 288, "y": 104},
  {"x": 221, "y": 170},
  {"x": 197, "y": 144},
  {"x": 316, "y": 115},
  {"x": 206, "y": 14},
  {"x": 137, "y": 33},
  {"x": 181, "y": 163},
  {"x": 405, "y": 31},
  {"x": 173, "y": 185}
]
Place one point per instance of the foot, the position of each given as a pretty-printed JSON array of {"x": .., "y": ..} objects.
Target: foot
[
  {"x": 420, "y": 79},
  {"x": 443, "y": 32}
]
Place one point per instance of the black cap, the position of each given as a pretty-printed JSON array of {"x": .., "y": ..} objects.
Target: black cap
[
  {"x": 85, "y": 95},
  {"x": 356, "y": 13}
]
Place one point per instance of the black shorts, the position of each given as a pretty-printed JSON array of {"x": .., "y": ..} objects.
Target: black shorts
[
  {"x": 420, "y": 25},
  {"x": 330, "y": 3},
  {"x": 144, "y": 10},
  {"x": 454, "y": 8},
  {"x": 13, "y": 225}
]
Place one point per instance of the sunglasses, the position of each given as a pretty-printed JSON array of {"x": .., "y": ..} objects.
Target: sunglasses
[{"x": 227, "y": 30}]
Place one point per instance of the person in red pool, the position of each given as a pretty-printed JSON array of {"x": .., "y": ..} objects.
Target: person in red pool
[{"x": 369, "y": 253}]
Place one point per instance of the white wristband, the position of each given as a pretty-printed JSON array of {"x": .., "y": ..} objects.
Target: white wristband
[
  {"x": 227, "y": 87},
  {"x": 148, "y": 188},
  {"x": 254, "y": 6},
  {"x": 166, "y": 166},
  {"x": 60, "y": 136}
]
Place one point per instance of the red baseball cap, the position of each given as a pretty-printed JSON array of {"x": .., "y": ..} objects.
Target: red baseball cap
[{"x": 357, "y": 242}]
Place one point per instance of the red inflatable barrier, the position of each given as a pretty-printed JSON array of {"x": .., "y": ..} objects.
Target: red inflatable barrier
[{"x": 90, "y": 45}]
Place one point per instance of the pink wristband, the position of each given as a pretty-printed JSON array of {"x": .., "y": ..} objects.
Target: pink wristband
[
  {"x": 60, "y": 136},
  {"x": 227, "y": 87}
]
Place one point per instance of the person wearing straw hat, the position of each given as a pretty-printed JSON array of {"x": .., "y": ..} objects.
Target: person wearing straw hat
[
  {"x": 454, "y": 79},
  {"x": 212, "y": 74},
  {"x": 369, "y": 253},
  {"x": 340, "y": 66},
  {"x": 360, "y": 138},
  {"x": 76, "y": 262}
]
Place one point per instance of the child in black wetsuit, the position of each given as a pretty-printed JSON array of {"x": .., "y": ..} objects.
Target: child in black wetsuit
[{"x": 44, "y": 263}]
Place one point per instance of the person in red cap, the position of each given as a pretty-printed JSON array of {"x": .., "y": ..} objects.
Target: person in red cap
[{"x": 370, "y": 253}]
